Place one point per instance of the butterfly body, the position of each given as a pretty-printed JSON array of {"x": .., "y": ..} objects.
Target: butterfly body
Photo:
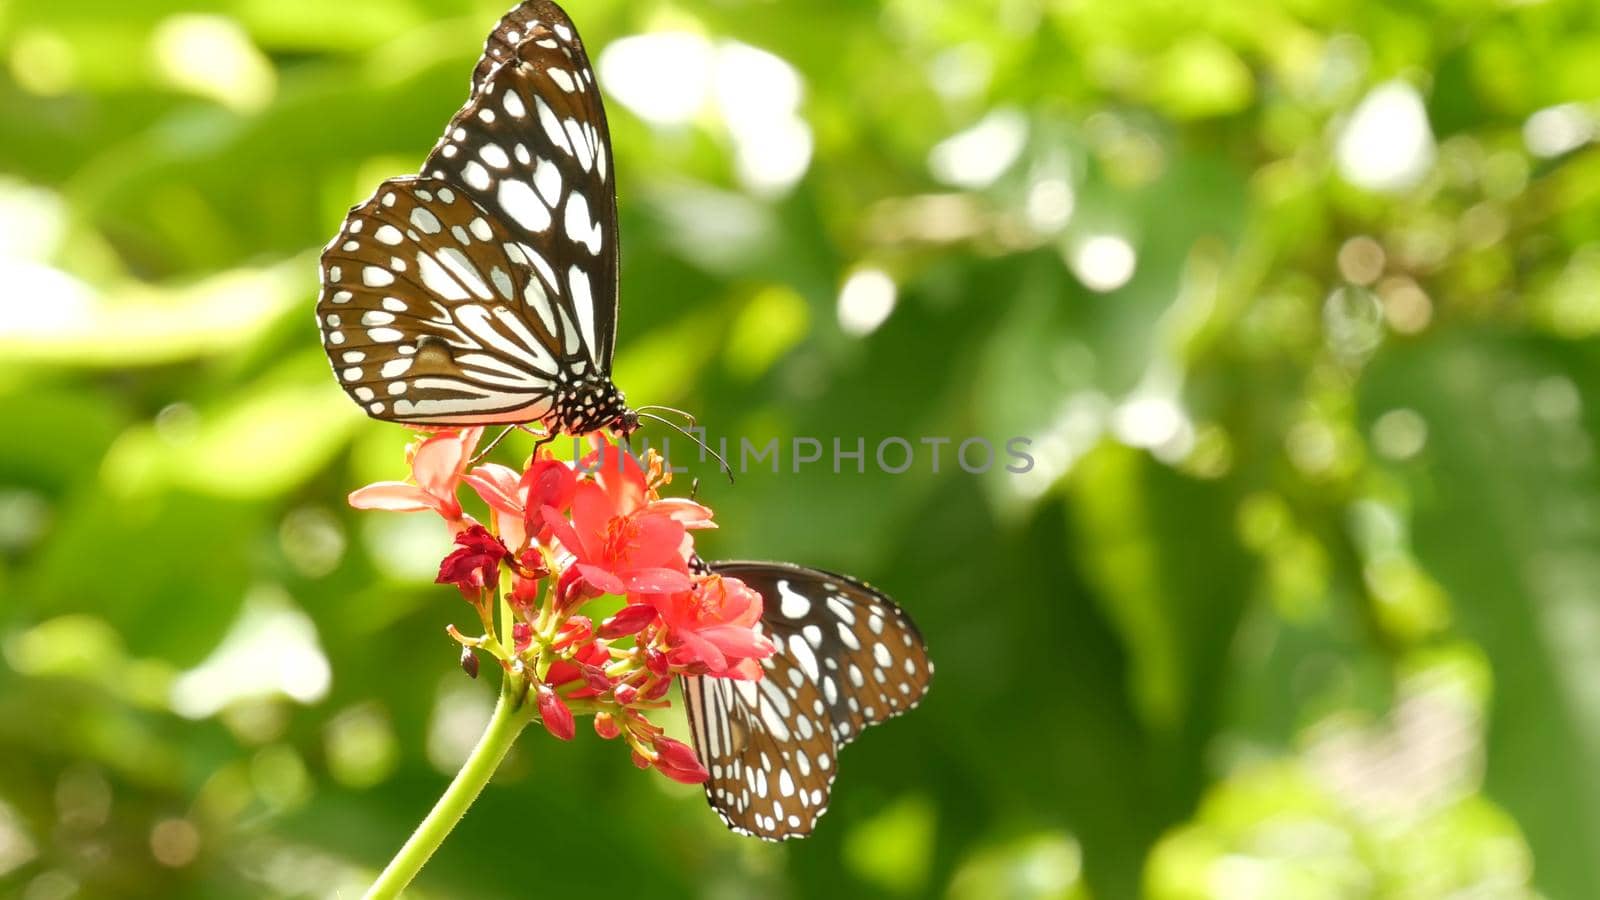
[{"x": 484, "y": 291}]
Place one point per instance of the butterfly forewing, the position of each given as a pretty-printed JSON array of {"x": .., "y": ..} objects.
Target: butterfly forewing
[
  {"x": 847, "y": 657},
  {"x": 506, "y": 311},
  {"x": 532, "y": 147},
  {"x": 431, "y": 315}
]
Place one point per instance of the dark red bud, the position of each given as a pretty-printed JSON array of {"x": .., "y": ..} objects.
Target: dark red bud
[
  {"x": 524, "y": 592},
  {"x": 572, "y": 590},
  {"x": 554, "y": 713},
  {"x": 657, "y": 689},
  {"x": 595, "y": 677},
  {"x": 469, "y": 662},
  {"x": 534, "y": 564},
  {"x": 678, "y": 761},
  {"x": 631, "y": 619},
  {"x": 522, "y": 635},
  {"x": 626, "y": 694},
  {"x": 655, "y": 661},
  {"x": 676, "y": 752}
]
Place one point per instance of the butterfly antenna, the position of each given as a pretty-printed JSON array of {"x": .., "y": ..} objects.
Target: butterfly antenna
[
  {"x": 687, "y": 417},
  {"x": 703, "y": 445}
]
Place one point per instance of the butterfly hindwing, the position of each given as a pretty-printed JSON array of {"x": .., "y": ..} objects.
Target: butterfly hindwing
[{"x": 847, "y": 657}]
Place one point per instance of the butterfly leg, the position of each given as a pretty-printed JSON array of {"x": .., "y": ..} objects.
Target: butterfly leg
[
  {"x": 492, "y": 444},
  {"x": 544, "y": 437}
]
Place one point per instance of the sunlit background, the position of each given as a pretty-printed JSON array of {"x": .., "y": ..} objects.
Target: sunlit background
[{"x": 1296, "y": 300}]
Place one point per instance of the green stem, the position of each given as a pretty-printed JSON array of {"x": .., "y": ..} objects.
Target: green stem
[{"x": 508, "y": 720}]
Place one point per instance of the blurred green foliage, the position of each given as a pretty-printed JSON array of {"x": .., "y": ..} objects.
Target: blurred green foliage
[{"x": 1297, "y": 300}]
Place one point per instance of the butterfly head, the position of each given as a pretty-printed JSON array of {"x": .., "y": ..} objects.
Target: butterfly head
[{"x": 626, "y": 423}]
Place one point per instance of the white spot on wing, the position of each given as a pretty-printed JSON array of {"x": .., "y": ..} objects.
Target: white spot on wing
[
  {"x": 552, "y": 126},
  {"x": 583, "y": 302},
  {"x": 794, "y": 605},
  {"x": 494, "y": 156},
  {"x": 476, "y": 176},
  {"x": 547, "y": 178},
  {"x": 801, "y": 651},
  {"x": 462, "y": 267},
  {"x": 436, "y": 279},
  {"x": 520, "y": 203},
  {"x": 580, "y": 227},
  {"x": 502, "y": 282},
  {"x": 426, "y": 221}
]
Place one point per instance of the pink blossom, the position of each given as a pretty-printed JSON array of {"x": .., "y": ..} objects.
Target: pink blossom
[{"x": 437, "y": 462}]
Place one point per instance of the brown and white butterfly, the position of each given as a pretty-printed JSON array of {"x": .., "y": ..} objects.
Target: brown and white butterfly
[
  {"x": 484, "y": 289},
  {"x": 847, "y": 657}
]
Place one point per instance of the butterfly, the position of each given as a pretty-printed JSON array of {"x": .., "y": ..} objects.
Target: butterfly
[
  {"x": 484, "y": 289},
  {"x": 847, "y": 657}
]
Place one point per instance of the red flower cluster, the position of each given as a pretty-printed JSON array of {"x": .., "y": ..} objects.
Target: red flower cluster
[{"x": 563, "y": 540}]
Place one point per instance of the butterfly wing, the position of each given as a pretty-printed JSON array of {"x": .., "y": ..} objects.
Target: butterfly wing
[
  {"x": 431, "y": 314},
  {"x": 532, "y": 147},
  {"x": 848, "y": 657}
]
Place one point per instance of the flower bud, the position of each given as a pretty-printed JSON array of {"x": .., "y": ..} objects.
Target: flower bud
[
  {"x": 576, "y": 630},
  {"x": 572, "y": 590},
  {"x": 534, "y": 564},
  {"x": 521, "y": 636},
  {"x": 640, "y": 760},
  {"x": 631, "y": 619},
  {"x": 657, "y": 688},
  {"x": 469, "y": 662},
  {"x": 474, "y": 564},
  {"x": 606, "y": 726},
  {"x": 595, "y": 677},
  {"x": 625, "y": 694},
  {"x": 554, "y": 713},
  {"x": 678, "y": 761},
  {"x": 656, "y": 661},
  {"x": 524, "y": 592}
]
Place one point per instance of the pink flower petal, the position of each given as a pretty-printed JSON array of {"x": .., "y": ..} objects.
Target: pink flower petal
[
  {"x": 655, "y": 581},
  {"x": 562, "y": 530},
  {"x": 497, "y": 485},
  {"x": 696, "y": 650},
  {"x": 395, "y": 496},
  {"x": 591, "y": 511},
  {"x": 736, "y": 640},
  {"x": 746, "y": 670},
  {"x": 658, "y": 543},
  {"x": 602, "y": 578},
  {"x": 682, "y": 510},
  {"x": 512, "y": 527},
  {"x": 438, "y": 462},
  {"x": 622, "y": 478}
]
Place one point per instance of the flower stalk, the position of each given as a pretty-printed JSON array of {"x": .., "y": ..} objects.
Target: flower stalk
[{"x": 509, "y": 718}]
